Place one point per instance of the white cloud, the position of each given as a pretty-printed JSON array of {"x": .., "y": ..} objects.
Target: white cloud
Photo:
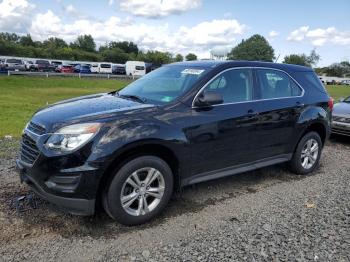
[
  {"x": 215, "y": 32},
  {"x": 199, "y": 38},
  {"x": 70, "y": 9},
  {"x": 15, "y": 15},
  {"x": 320, "y": 36},
  {"x": 45, "y": 25},
  {"x": 298, "y": 34},
  {"x": 158, "y": 8},
  {"x": 273, "y": 34},
  {"x": 110, "y": 2}
]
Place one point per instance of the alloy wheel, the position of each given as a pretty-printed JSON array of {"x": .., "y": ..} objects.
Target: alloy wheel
[
  {"x": 309, "y": 153},
  {"x": 142, "y": 191}
]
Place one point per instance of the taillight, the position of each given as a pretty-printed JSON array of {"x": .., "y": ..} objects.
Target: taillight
[{"x": 331, "y": 103}]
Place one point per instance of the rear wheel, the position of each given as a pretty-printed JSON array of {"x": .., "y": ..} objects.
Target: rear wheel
[
  {"x": 307, "y": 154},
  {"x": 139, "y": 191}
]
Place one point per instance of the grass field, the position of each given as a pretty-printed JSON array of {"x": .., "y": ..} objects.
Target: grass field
[
  {"x": 21, "y": 96},
  {"x": 338, "y": 91}
]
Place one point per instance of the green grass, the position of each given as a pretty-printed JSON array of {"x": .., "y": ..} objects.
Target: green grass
[
  {"x": 338, "y": 91},
  {"x": 21, "y": 96}
]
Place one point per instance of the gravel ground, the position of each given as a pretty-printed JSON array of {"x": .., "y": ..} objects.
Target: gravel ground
[{"x": 265, "y": 215}]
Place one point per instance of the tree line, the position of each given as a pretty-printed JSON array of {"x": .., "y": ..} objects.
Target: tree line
[
  {"x": 83, "y": 48},
  {"x": 255, "y": 48}
]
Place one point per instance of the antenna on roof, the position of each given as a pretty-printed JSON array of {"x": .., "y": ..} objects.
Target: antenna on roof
[{"x": 277, "y": 58}]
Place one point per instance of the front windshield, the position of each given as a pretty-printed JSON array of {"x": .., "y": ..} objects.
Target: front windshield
[
  {"x": 347, "y": 100},
  {"x": 165, "y": 84}
]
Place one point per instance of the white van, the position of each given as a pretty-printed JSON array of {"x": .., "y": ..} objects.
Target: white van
[
  {"x": 94, "y": 69},
  {"x": 135, "y": 68},
  {"x": 105, "y": 68}
]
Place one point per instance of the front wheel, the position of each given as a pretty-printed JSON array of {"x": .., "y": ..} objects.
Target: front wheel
[
  {"x": 139, "y": 191},
  {"x": 307, "y": 154}
]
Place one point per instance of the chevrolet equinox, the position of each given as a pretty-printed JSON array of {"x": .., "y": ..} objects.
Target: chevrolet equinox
[{"x": 183, "y": 123}]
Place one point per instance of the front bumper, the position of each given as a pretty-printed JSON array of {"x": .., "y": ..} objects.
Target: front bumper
[
  {"x": 341, "y": 128},
  {"x": 57, "y": 189}
]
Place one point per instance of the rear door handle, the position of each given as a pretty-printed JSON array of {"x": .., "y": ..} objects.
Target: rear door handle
[
  {"x": 251, "y": 112},
  {"x": 299, "y": 104}
]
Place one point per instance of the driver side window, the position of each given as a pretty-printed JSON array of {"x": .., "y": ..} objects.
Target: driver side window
[{"x": 234, "y": 85}]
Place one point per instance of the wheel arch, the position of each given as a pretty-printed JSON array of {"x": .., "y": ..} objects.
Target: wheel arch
[
  {"x": 319, "y": 128},
  {"x": 136, "y": 150},
  {"x": 315, "y": 118}
]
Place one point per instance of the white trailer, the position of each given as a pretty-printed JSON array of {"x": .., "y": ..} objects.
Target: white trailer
[
  {"x": 105, "y": 68},
  {"x": 94, "y": 68},
  {"x": 135, "y": 68}
]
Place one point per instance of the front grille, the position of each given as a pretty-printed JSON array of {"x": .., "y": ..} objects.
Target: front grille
[
  {"x": 341, "y": 119},
  {"x": 36, "y": 129},
  {"x": 29, "y": 151}
]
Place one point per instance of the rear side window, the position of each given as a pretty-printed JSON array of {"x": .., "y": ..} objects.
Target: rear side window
[
  {"x": 276, "y": 84},
  {"x": 139, "y": 67},
  {"x": 310, "y": 78},
  {"x": 105, "y": 66}
]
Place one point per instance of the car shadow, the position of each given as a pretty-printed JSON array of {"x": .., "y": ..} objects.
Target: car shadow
[
  {"x": 191, "y": 200},
  {"x": 339, "y": 139}
]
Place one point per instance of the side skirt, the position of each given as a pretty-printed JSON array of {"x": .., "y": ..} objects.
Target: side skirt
[{"x": 233, "y": 170}]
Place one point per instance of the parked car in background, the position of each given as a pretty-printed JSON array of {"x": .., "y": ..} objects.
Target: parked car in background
[
  {"x": 29, "y": 65},
  {"x": 14, "y": 64},
  {"x": 341, "y": 117},
  {"x": 73, "y": 64},
  {"x": 181, "y": 124},
  {"x": 82, "y": 69},
  {"x": 94, "y": 69},
  {"x": 345, "y": 82},
  {"x": 55, "y": 64},
  {"x": 64, "y": 69},
  {"x": 118, "y": 69},
  {"x": 148, "y": 67},
  {"x": 105, "y": 68},
  {"x": 2, "y": 66},
  {"x": 135, "y": 68},
  {"x": 43, "y": 66}
]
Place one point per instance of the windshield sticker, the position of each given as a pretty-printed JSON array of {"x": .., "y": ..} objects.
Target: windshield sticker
[
  {"x": 167, "y": 98},
  {"x": 192, "y": 71}
]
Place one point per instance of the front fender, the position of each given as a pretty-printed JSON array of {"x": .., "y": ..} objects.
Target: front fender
[{"x": 124, "y": 135}]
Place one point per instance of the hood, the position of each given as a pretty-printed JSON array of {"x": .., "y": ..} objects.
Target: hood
[
  {"x": 341, "y": 109},
  {"x": 85, "y": 108}
]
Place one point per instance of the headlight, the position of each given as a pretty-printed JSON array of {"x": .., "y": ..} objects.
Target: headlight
[
  {"x": 25, "y": 128},
  {"x": 70, "y": 138}
]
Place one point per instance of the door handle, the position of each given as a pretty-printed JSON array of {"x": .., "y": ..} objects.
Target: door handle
[
  {"x": 299, "y": 104},
  {"x": 251, "y": 112}
]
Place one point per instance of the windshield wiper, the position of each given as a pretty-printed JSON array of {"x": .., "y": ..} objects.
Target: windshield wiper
[{"x": 133, "y": 97}]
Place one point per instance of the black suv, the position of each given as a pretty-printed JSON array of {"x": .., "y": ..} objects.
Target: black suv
[{"x": 182, "y": 124}]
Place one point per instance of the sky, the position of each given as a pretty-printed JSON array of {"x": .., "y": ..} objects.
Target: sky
[{"x": 183, "y": 26}]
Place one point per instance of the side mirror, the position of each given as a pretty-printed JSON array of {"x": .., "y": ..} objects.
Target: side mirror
[
  {"x": 209, "y": 98},
  {"x": 341, "y": 99}
]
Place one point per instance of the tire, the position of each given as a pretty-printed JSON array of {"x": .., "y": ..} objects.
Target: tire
[
  {"x": 151, "y": 198},
  {"x": 298, "y": 164}
]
